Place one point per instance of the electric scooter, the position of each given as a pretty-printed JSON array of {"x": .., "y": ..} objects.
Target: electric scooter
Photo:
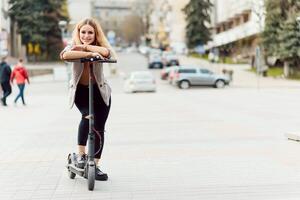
[{"x": 90, "y": 167}]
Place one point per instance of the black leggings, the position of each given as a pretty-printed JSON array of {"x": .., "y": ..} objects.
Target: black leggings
[{"x": 101, "y": 111}]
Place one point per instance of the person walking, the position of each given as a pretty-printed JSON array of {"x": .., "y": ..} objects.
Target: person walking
[
  {"x": 21, "y": 75},
  {"x": 89, "y": 41},
  {"x": 1, "y": 92},
  {"x": 5, "y": 73}
]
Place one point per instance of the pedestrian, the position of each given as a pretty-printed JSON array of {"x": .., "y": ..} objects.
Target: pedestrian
[
  {"x": 5, "y": 73},
  {"x": 21, "y": 75},
  {"x": 89, "y": 41},
  {"x": 1, "y": 92}
]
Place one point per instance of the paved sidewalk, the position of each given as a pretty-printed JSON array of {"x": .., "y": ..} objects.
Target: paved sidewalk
[
  {"x": 200, "y": 143},
  {"x": 245, "y": 79}
]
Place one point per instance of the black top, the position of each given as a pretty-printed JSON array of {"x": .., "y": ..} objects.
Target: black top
[{"x": 5, "y": 72}]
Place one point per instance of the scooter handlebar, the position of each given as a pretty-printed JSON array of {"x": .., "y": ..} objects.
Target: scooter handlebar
[{"x": 93, "y": 59}]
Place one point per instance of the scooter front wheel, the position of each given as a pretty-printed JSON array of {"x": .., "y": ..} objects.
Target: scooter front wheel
[{"x": 91, "y": 175}]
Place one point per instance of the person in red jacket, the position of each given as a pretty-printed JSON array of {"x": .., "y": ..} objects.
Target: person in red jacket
[{"x": 20, "y": 74}]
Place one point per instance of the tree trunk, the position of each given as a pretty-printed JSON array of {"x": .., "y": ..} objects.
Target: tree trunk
[{"x": 286, "y": 69}]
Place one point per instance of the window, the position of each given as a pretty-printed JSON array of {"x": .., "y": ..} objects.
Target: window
[
  {"x": 246, "y": 17},
  {"x": 188, "y": 71},
  {"x": 205, "y": 71}
]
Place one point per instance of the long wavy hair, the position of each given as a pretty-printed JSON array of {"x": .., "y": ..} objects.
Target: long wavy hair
[{"x": 100, "y": 39}]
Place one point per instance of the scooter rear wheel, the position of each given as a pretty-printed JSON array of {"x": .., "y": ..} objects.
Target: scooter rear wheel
[
  {"x": 71, "y": 174},
  {"x": 91, "y": 176}
]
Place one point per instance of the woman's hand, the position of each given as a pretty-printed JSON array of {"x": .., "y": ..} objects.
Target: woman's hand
[{"x": 96, "y": 54}]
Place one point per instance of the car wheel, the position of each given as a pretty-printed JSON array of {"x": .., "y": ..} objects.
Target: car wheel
[
  {"x": 184, "y": 84},
  {"x": 220, "y": 84}
]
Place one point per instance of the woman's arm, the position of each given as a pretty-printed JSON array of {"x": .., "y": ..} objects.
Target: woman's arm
[
  {"x": 83, "y": 51},
  {"x": 12, "y": 76},
  {"x": 69, "y": 55},
  {"x": 26, "y": 75},
  {"x": 101, "y": 50}
]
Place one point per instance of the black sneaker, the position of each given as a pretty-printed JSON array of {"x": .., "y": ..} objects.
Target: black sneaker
[
  {"x": 81, "y": 161},
  {"x": 100, "y": 176},
  {"x": 3, "y": 102}
]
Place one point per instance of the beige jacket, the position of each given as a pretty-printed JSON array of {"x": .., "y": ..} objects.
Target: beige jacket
[{"x": 77, "y": 69}]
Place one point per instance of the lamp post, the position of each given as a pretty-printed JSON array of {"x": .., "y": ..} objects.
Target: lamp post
[
  {"x": 298, "y": 20},
  {"x": 63, "y": 27}
]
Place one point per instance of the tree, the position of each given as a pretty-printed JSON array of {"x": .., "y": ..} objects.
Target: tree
[
  {"x": 37, "y": 22},
  {"x": 289, "y": 35},
  {"x": 132, "y": 29},
  {"x": 275, "y": 17},
  {"x": 282, "y": 34},
  {"x": 198, "y": 17}
]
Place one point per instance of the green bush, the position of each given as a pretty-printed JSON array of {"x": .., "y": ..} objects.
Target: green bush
[{"x": 272, "y": 71}]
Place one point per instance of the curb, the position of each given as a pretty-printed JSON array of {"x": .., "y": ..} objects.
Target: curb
[{"x": 293, "y": 136}]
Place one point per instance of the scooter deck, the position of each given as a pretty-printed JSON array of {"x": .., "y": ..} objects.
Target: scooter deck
[{"x": 75, "y": 169}]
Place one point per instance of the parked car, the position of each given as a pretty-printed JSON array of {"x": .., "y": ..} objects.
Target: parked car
[
  {"x": 164, "y": 73},
  {"x": 170, "y": 58},
  {"x": 153, "y": 51},
  {"x": 140, "y": 81},
  {"x": 155, "y": 61},
  {"x": 179, "y": 48},
  {"x": 119, "y": 49},
  {"x": 131, "y": 49},
  {"x": 185, "y": 77},
  {"x": 143, "y": 49}
]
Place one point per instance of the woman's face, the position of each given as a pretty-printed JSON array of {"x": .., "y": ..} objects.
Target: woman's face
[{"x": 87, "y": 34}]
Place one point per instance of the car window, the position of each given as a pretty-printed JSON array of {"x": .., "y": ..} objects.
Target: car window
[
  {"x": 188, "y": 71},
  {"x": 205, "y": 71},
  {"x": 171, "y": 56}
]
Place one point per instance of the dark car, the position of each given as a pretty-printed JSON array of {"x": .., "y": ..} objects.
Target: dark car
[
  {"x": 155, "y": 61},
  {"x": 170, "y": 59}
]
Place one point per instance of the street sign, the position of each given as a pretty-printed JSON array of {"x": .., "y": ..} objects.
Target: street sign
[
  {"x": 30, "y": 48},
  {"x": 257, "y": 59},
  {"x": 200, "y": 49},
  {"x": 111, "y": 36},
  {"x": 37, "y": 49}
]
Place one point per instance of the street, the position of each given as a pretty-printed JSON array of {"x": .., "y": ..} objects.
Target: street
[{"x": 200, "y": 143}]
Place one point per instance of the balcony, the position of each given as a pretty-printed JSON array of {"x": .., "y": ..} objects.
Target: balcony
[{"x": 243, "y": 31}]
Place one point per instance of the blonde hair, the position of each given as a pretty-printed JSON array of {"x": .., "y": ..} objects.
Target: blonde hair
[{"x": 100, "y": 39}]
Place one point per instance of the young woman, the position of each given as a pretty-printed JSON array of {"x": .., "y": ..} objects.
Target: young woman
[
  {"x": 21, "y": 75},
  {"x": 89, "y": 41}
]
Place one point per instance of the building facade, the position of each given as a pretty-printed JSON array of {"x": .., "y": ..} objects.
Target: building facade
[
  {"x": 4, "y": 28},
  {"x": 236, "y": 26},
  {"x": 167, "y": 22},
  {"x": 10, "y": 40},
  {"x": 111, "y": 15},
  {"x": 79, "y": 9}
]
